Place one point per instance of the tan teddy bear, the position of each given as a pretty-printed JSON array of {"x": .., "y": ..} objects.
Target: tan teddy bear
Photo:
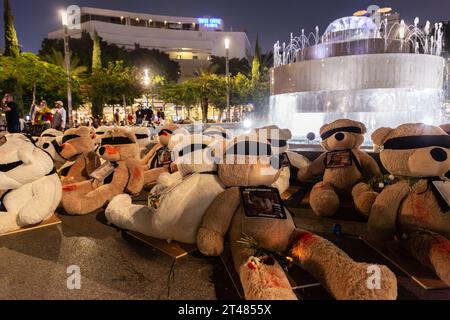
[
  {"x": 249, "y": 210},
  {"x": 410, "y": 207},
  {"x": 122, "y": 172},
  {"x": 345, "y": 168},
  {"x": 78, "y": 149}
]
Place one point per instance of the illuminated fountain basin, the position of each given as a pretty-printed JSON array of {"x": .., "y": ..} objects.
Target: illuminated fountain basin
[{"x": 386, "y": 89}]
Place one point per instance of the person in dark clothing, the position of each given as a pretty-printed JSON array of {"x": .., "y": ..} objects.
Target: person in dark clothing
[
  {"x": 11, "y": 110},
  {"x": 140, "y": 116}
]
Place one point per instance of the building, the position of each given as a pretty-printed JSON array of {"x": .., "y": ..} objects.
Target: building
[{"x": 190, "y": 41}]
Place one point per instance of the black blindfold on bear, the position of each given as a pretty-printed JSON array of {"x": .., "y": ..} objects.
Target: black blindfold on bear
[
  {"x": 253, "y": 148},
  {"x": 116, "y": 141},
  {"x": 165, "y": 131},
  {"x": 417, "y": 142},
  {"x": 191, "y": 149},
  {"x": 141, "y": 136},
  {"x": 70, "y": 137},
  {"x": 330, "y": 133}
]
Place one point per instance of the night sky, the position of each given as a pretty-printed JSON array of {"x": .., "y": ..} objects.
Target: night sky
[{"x": 272, "y": 20}]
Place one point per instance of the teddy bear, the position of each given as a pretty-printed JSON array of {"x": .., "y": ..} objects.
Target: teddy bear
[
  {"x": 143, "y": 136},
  {"x": 122, "y": 172},
  {"x": 159, "y": 159},
  {"x": 218, "y": 132},
  {"x": 176, "y": 205},
  {"x": 48, "y": 136},
  {"x": 78, "y": 150},
  {"x": 99, "y": 132},
  {"x": 278, "y": 138},
  {"x": 30, "y": 189},
  {"x": 410, "y": 207},
  {"x": 53, "y": 148},
  {"x": 261, "y": 231},
  {"x": 346, "y": 170}
]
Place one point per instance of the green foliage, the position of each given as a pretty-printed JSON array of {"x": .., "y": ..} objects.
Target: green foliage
[
  {"x": 11, "y": 41},
  {"x": 37, "y": 78},
  {"x": 112, "y": 85},
  {"x": 96, "y": 52},
  {"x": 236, "y": 65},
  {"x": 158, "y": 62},
  {"x": 57, "y": 58}
]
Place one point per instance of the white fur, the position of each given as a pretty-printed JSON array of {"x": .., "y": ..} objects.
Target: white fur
[
  {"x": 184, "y": 198},
  {"x": 34, "y": 196}
]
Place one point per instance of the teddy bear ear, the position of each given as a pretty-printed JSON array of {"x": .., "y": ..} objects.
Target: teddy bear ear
[
  {"x": 379, "y": 136},
  {"x": 363, "y": 127}
]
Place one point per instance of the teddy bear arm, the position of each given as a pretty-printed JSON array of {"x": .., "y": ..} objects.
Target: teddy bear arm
[
  {"x": 370, "y": 165},
  {"x": 136, "y": 179},
  {"x": 314, "y": 169},
  {"x": 76, "y": 171},
  {"x": 92, "y": 162},
  {"x": 146, "y": 159},
  {"x": 216, "y": 222},
  {"x": 384, "y": 212},
  {"x": 151, "y": 176}
]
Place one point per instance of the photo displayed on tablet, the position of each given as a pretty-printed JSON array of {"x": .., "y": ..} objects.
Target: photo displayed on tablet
[
  {"x": 263, "y": 203},
  {"x": 339, "y": 159}
]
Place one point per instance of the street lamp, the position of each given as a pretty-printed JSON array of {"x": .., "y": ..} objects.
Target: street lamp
[
  {"x": 227, "y": 67},
  {"x": 65, "y": 24}
]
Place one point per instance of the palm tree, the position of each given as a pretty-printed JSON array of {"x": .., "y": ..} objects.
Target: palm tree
[{"x": 57, "y": 58}]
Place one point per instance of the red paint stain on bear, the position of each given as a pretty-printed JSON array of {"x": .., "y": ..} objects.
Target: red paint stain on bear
[
  {"x": 137, "y": 172},
  {"x": 442, "y": 246},
  {"x": 111, "y": 150},
  {"x": 420, "y": 210},
  {"x": 306, "y": 238},
  {"x": 70, "y": 188}
]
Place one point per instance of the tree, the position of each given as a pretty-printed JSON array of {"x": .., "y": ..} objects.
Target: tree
[
  {"x": 96, "y": 53},
  {"x": 208, "y": 89},
  {"x": 57, "y": 58},
  {"x": 159, "y": 63},
  {"x": 236, "y": 65},
  {"x": 113, "y": 84},
  {"x": 37, "y": 78},
  {"x": 11, "y": 41},
  {"x": 11, "y": 50},
  {"x": 256, "y": 64}
]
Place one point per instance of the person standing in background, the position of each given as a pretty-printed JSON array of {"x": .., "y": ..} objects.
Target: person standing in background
[
  {"x": 59, "y": 117},
  {"x": 11, "y": 110}
]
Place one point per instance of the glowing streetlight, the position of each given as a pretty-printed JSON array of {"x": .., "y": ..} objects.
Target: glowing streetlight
[
  {"x": 227, "y": 43},
  {"x": 65, "y": 23}
]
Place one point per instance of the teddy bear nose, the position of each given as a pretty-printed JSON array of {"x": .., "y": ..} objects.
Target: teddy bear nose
[
  {"x": 101, "y": 151},
  {"x": 439, "y": 154},
  {"x": 339, "y": 136}
]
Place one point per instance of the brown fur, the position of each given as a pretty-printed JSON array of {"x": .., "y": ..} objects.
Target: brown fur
[
  {"x": 80, "y": 150},
  {"x": 88, "y": 196},
  {"x": 341, "y": 182},
  {"x": 410, "y": 209},
  {"x": 267, "y": 281}
]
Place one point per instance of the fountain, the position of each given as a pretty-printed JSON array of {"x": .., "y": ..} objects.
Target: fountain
[{"x": 378, "y": 73}]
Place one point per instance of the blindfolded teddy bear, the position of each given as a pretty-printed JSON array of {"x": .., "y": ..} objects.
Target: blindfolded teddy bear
[
  {"x": 345, "y": 168},
  {"x": 174, "y": 211},
  {"x": 411, "y": 206},
  {"x": 78, "y": 149},
  {"x": 121, "y": 172},
  {"x": 30, "y": 189},
  {"x": 260, "y": 229}
]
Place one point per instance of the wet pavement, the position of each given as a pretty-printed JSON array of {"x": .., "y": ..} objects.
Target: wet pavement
[{"x": 113, "y": 265}]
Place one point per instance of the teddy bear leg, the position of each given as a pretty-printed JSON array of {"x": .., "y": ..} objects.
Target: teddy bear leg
[
  {"x": 344, "y": 278},
  {"x": 77, "y": 199},
  {"x": 265, "y": 280},
  {"x": 324, "y": 200},
  {"x": 432, "y": 250},
  {"x": 363, "y": 197},
  {"x": 151, "y": 176}
]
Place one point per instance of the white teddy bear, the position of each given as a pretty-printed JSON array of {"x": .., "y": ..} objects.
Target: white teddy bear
[
  {"x": 178, "y": 203},
  {"x": 30, "y": 188}
]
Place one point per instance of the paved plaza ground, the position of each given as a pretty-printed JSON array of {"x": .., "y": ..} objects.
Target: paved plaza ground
[{"x": 33, "y": 265}]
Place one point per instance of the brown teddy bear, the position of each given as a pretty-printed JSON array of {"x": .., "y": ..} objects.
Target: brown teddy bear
[
  {"x": 122, "y": 172},
  {"x": 410, "y": 206},
  {"x": 257, "y": 223},
  {"x": 345, "y": 168},
  {"x": 78, "y": 149}
]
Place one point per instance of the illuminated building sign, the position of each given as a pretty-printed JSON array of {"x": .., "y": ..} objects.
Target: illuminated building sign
[{"x": 210, "y": 22}]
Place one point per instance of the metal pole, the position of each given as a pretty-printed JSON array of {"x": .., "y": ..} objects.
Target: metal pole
[
  {"x": 228, "y": 81},
  {"x": 69, "y": 75}
]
